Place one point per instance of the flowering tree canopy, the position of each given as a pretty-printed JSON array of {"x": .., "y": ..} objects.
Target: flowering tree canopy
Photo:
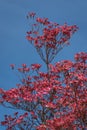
[
  {"x": 48, "y": 37},
  {"x": 52, "y": 100}
]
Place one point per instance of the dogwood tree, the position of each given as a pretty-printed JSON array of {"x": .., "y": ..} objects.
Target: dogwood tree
[{"x": 52, "y": 100}]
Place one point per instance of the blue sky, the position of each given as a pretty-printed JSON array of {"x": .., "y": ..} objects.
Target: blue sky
[{"x": 14, "y": 48}]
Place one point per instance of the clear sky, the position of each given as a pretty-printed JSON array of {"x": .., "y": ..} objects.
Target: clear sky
[{"x": 14, "y": 48}]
